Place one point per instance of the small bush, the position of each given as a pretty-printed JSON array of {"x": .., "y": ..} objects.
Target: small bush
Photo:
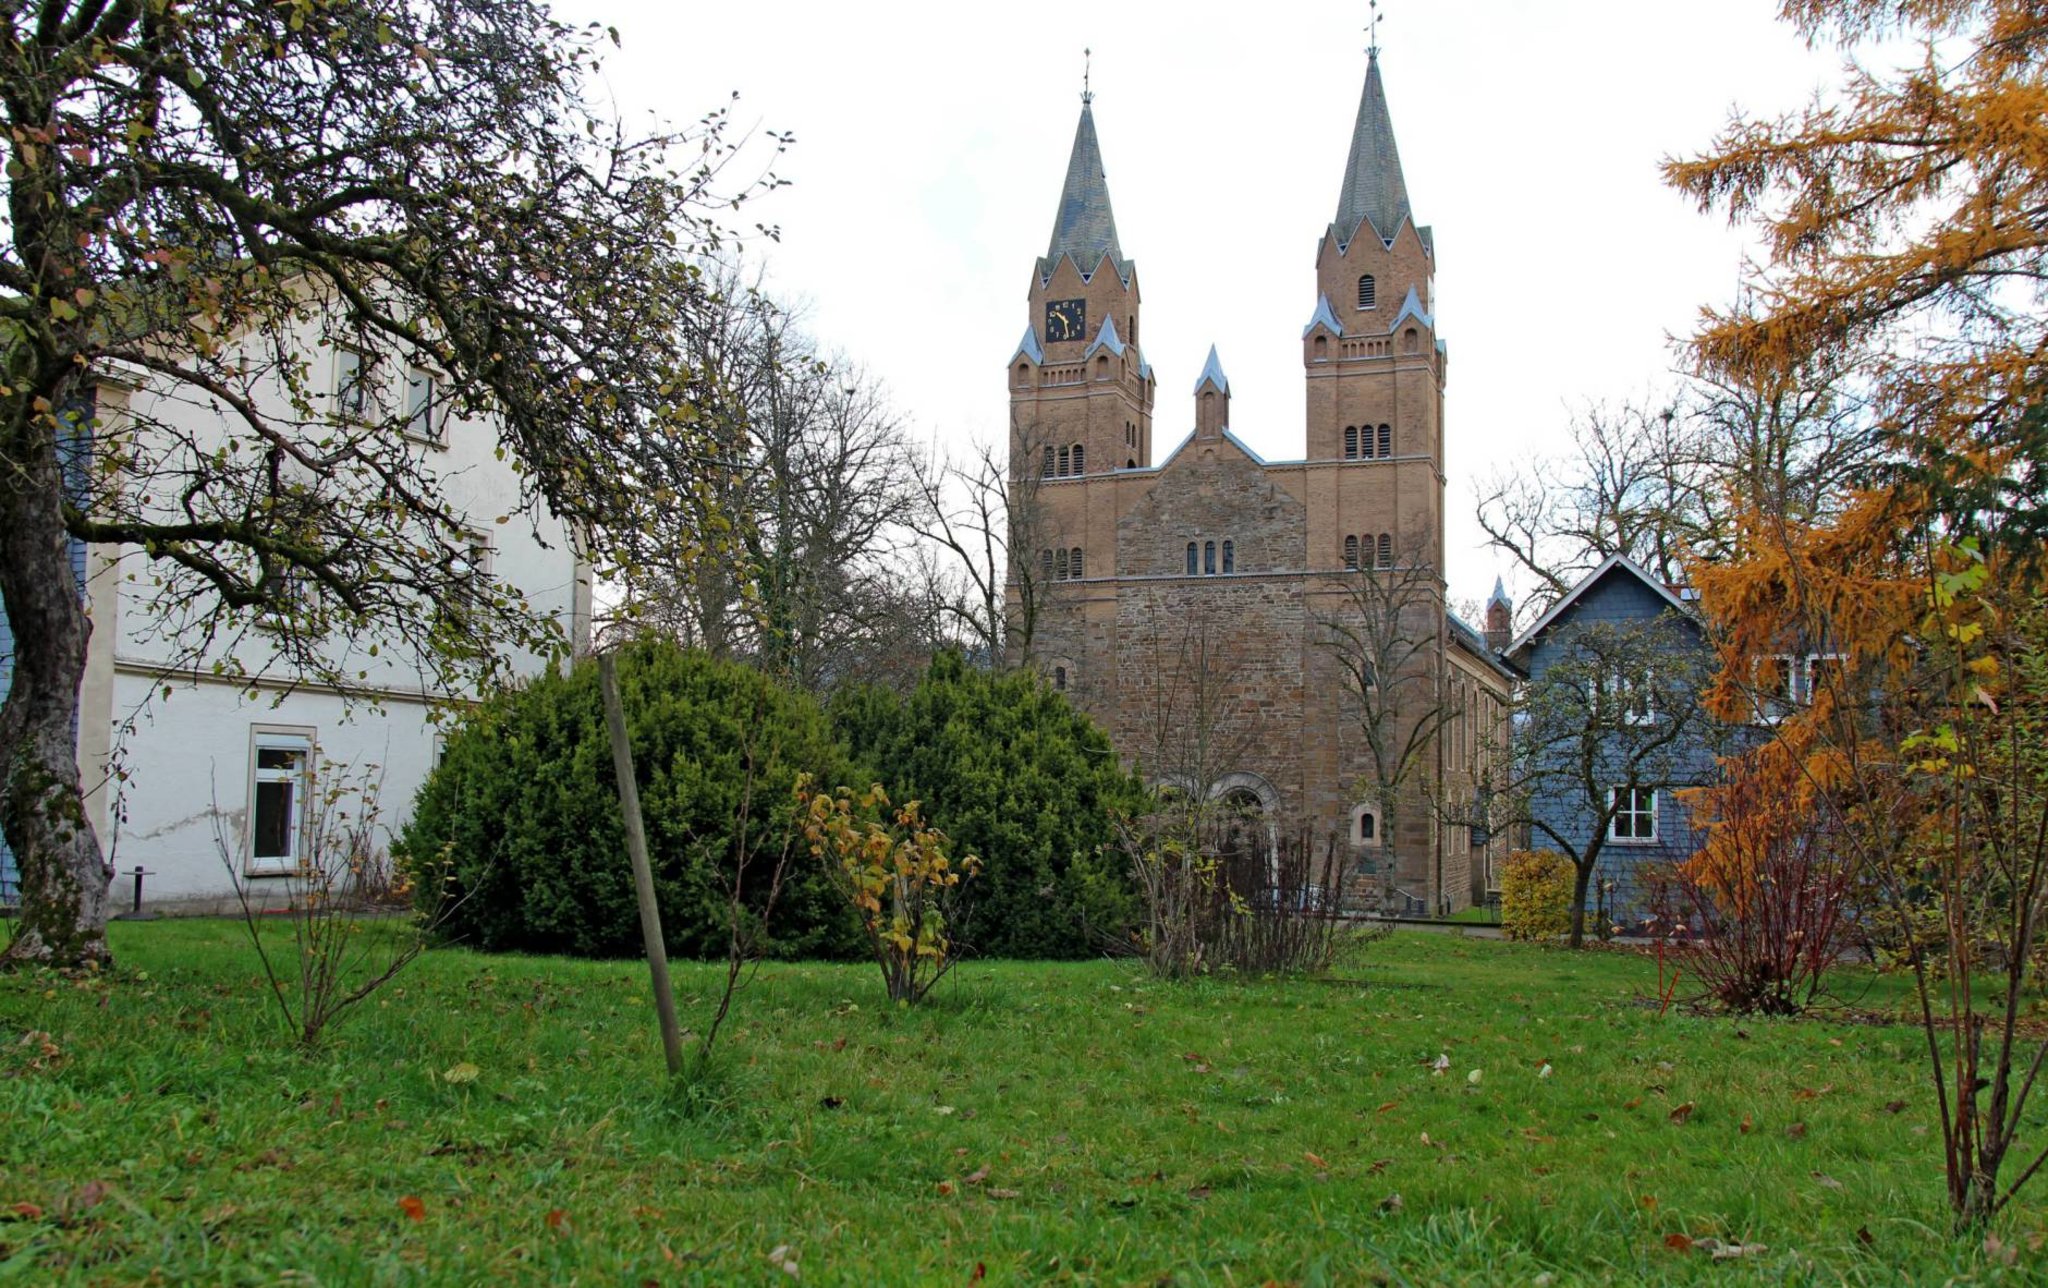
[
  {"x": 524, "y": 810},
  {"x": 1536, "y": 895}
]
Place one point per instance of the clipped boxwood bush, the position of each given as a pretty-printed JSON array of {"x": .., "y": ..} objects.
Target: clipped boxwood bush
[
  {"x": 1016, "y": 776},
  {"x": 525, "y": 809},
  {"x": 1536, "y": 895}
]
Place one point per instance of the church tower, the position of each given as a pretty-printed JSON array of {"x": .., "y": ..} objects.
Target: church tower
[
  {"x": 1080, "y": 389},
  {"x": 1374, "y": 365}
]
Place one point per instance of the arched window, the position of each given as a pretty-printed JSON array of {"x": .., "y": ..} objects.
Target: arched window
[
  {"x": 1079, "y": 457},
  {"x": 1047, "y": 472},
  {"x": 1350, "y": 442},
  {"x": 1386, "y": 440},
  {"x": 1131, "y": 464},
  {"x": 1209, "y": 558},
  {"x": 1059, "y": 564},
  {"x": 1066, "y": 460},
  {"x": 1322, "y": 348},
  {"x": 1386, "y": 550},
  {"x": 1351, "y": 552},
  {"x": 1368, "y": 293},
  {"x": 1191, "y": 559},
  {"x": 1230, "y": 556},
  {"x": 1102, "y": 367},
  {"x": 1411, "y": 341},
  {"x": 1365, "y": 825},
  {"x": 1074, "y": 563},
  {"x": 1045, "y": 565},
  {"x": 1059, "y": 678}
]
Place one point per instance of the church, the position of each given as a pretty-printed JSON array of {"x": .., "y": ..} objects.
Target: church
[{"x": 1271, "y": 634}]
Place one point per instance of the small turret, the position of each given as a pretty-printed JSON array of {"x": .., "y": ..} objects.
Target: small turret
[
  {"x": 1212, "y": 399},
  {"x": 1500, "y": 618}
]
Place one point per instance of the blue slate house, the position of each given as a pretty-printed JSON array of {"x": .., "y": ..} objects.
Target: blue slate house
[{"x": 1610, "y": 732}]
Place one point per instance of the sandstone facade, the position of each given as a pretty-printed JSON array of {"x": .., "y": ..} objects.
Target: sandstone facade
[{"x": 1208, "y": 608}]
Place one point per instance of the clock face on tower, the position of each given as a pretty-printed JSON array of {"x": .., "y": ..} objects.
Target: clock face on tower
[{"x": 1065, "y": 319}]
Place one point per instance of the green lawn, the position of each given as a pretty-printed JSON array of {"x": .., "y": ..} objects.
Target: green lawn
[{"x": 1071, "y": 1123}]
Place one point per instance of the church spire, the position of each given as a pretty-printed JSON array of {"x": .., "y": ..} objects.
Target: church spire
[
  {"x": 1084, "y": 228},
  {"x": 1373, "y": 187}
]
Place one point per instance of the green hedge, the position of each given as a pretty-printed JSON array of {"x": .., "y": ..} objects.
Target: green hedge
[
  {"x": 525, "y": 807},
  {"x": 1015, "y": 775}
]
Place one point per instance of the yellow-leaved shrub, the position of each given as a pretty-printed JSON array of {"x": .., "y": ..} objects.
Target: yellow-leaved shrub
[{"x": 1536, "y": 895}]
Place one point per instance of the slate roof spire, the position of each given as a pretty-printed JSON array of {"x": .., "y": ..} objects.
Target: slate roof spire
[
  {"x": 1374, "y": 190},
  {"x": 1084, "y": 227}
]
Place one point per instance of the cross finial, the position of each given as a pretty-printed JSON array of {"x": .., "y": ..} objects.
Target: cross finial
[
  {"x": 1087, "y": 59},
  {"x": 1372, "y": 29}
]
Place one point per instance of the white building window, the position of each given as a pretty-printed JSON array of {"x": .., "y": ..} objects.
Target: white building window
[
  {"x": 422, "y": 405},
  {"x": 351, "y": 383},
  {"x": 1635, "y": 815},
  {"x": 280, "y": 777}
]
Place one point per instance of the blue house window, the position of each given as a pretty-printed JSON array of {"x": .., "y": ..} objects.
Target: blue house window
[{"x": 1635, "y": 815}]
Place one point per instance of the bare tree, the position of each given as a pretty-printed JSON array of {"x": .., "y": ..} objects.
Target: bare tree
[
  {"x": 809, "y": 515},
  {"x": 981, "y": 518},
  {"x": 1385, "y": 638}
]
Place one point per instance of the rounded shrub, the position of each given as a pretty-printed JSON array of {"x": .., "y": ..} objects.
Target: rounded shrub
[
  {"x": 521, "y": 819},
  {"x": 1016, "y": 776},
  {"x": 1536, "y": 895}
]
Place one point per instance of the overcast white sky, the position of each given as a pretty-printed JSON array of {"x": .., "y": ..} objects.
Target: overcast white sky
[{"x": 932, "y": 139}]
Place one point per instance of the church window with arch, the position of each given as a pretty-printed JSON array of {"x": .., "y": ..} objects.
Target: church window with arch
[
  {"x": 1074, "y": 563},
  {"x": 1047, "y": 472},
  {"x": 1059, "y": 565},
  {"x": 1368, "y": 293},
  {"x": 1066, "y": 461},
  {"x": 1080, "y": 456},
  {"x": 1192, "y": 567},
  {"x": 1351, "y": 553},
  {"x": 1351, "y": 442},
  {"x": 1386, "y": 440},
  {"x": 1229, "y": 556},
  {"x": 1045, "y": 565},
  {"x": 1208, "y": 558},
  {"x": 1386, "y": 550},
  {"x": 1059, "y": 678}
]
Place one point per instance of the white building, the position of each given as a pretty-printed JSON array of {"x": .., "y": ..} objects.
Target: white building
[{"x": 184, "y": 758}]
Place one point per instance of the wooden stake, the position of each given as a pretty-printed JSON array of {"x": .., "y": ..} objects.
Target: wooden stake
[{"x": 643, "y": 876}]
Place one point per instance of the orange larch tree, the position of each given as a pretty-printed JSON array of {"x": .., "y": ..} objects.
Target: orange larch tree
[{"x": 1896, "y": 645}]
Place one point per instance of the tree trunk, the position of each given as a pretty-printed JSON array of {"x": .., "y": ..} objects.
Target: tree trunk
[
  {"x": 64, "y": 880},
  {"x": 1582, "y": 878}
]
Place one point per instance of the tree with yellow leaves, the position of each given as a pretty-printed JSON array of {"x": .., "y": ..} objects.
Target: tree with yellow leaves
[{"x": 1896, "y": 646}]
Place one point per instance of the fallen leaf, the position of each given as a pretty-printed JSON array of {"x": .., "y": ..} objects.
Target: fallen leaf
[
  {"x": 1390, "y": 1204},
  {"x": 1315, "y": 1160},
  {"x": 1379, "y": 1165},
  {"x": 1745, "y": 1125},
  {"x": 1441, "y": 1065},
  {"x": 1678, "y": 1242},
  {"x": 831, "y": 1102},
  {"x": 1544, "y": 1072},
  {"x": 1797, "y": 1131},
  {"x": 1473, "y": 1077},
  {"x": 1632, "y": 1104},
  {"x": 557, "y": 1219},
  {"x": 1387, "y": 1107},
  {"x": 414, "y": 1209},
  {"x": 1681, "y": 1115},
  {"x": 1895, "y": 1106},
  {"x": 27, "y": 1211},
  {"x": 1200, "y": 1192},
  {"x": 1729, "y": 1251},
  {"x": 1827, "y": 1181},
  {"x": 943, "y": 1109},
  {"x": 946, "y": 1187},
  {"x": 998, "y": 1192},
  {"x": 1864, "y": 1236},
  {"x": 464, "y": 1072},
  {"x": 975, "y": 1177}
]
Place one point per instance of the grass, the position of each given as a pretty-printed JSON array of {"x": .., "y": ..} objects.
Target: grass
[{"x": 1040, "y": 1123}]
